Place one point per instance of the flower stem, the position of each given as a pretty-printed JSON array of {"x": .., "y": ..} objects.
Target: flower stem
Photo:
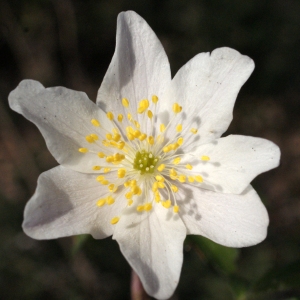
[{"x": 137, "y": 289}]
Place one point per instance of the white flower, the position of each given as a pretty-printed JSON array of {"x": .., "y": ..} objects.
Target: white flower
[{"x": 147, "y": 164}]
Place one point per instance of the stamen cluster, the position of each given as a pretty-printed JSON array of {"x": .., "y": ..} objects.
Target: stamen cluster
[{"x": 146, "y": 167}]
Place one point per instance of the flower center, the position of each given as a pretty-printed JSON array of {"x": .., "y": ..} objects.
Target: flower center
[{"x": 145, "y": 162}]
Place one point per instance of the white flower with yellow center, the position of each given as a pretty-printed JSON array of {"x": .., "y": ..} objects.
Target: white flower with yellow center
[{"x": 147, "y": 163}]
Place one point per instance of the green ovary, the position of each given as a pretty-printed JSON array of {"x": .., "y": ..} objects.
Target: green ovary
[{"x": 145, "y": 162}]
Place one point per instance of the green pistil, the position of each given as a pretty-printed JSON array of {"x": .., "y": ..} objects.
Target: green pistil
[{"x": 145, "y": 162}]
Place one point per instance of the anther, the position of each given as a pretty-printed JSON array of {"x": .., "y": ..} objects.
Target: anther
[
  {"x": 199, "y": 178},
  {"x": 140, "y": 208},
  {"x": 189, "y": 167},
  {"x": 120, "y": 117},
  {"x": 143, "y": 105},
  {"x": 121, "y": 173},
  {"x": 176, "y": 209},
  {"x": 150, "y": 114},
  {"x": 205, "y": 158},
  {"x": 147, "y": 206},
  {"x": 194, "y": 130},
  {"x": 151, "y": 140},
  {"x": 176, "y": 160},
  {"x": 90, "y": 139},
  {"x": 83, "y": 150},
  {"x": 179, "y": 128},
  {"x": 101, "y": 154},
  {"x": 162, "y": 127},
  {"x": 110, "y": 200},
  {"x": 101, "y": 202},
  {"x": 176, "y": 108},
  {"x": 174, "y": 188},
  {"x": 125, "y": 102},
  {"x": 110, "y": 115},
  {"x": 96, "y": 168},
  {"x": 114, "y": 220},
  {"x": 154, "y": 99},
  {"x": 95, "y": 122},
  {"x": 166, "y": 203},
  {"x": 161, "y": 167}
]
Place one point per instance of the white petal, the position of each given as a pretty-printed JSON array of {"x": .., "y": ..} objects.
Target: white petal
[
  {"x": 64, "y": 118},
  {"x": 139, "y": 67},
  {"x": 234, "y": 162},
  {"x": 206, "y": 87},
  {"x": 227, "y": 219},
  {"x": 64, "y": 204},
  {"x": 152, "y": 243}
]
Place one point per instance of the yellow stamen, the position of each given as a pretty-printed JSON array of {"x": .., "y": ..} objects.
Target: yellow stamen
[
  {"x": 189, "y": 167},
  {"x": 112, "y": 188},
  {"x": 140, "y": 208},
  {"x": 174, "y": 188},
  {"x": 191, "y": 179},
  {"x": 205, "y": 158},
  {"x": 179, "y": 128},
  {"x": 90, "y": 139},
  {"x": 114, "y": 220},
  {"x": 142, "y": 137},
  {"x": 143, "y": 105},
  {"x": 176, "y": 160},
  {"x": 110, "y": 115},
  {"x": 147, "y": 206},
  {"x": 95, "y": 122},
  {"x": 199, "y": 178},
  {"x": 110, "y": 200},
  {"x": 95, "y": 136},
  {"x": 129, "y": 202},
  {"x": 166, "y": 203},
  {"x": 128, "y": 195},
  {"x": 100, "y": 178},
  {"x": 180, "y": 141},
  {"x": 176, "y": 108},
  {"x": 121, "y": 173},
  {"x": 151, "y": 140},
  {"x": 120, "y": 117},
  {"x": 182, "y": 178},
  {"x": 159, "y": 178},
  {"x": 176, "y": 208},
  {"x": 101, "y": 154},
  {"x": 106, "y": 170},
  {"x": 101, "y": 202},
  {"x": 150, "y": 114},
  {"x": 160, "y": 185},
  {"x": 129, "y": 116},
  {"x": 194, "y": 130},
  {"x": 125, "y": 102},
  {"x": 161, "y": 167},
  {"x": 154, "y": 99},
  {"x": 83, "y": 150},
  {"x": 162, "y": 127},
  {"x": 96, "y": 168}
]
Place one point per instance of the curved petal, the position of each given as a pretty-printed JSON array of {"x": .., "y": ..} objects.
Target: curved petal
[
  {"x": 139, "y": 67},
  {"x": 64, "y": 118},
  {"x": 234, "y": 161},
  {"x": 152, "y": 243},
  {"x": 65, "y": 203},
  {"x": 206, "y": 87},
  {"x": 227, "y": 219}
]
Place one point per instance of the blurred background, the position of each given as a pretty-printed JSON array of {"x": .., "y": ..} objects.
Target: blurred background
[{"x": 70, "y": 43}]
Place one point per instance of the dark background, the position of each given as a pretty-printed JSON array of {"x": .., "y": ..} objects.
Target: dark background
[{"x": 70, "y": 43}]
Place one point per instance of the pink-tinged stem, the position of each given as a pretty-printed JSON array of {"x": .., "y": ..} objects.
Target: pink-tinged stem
[{"x": 137, "y": 289}]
